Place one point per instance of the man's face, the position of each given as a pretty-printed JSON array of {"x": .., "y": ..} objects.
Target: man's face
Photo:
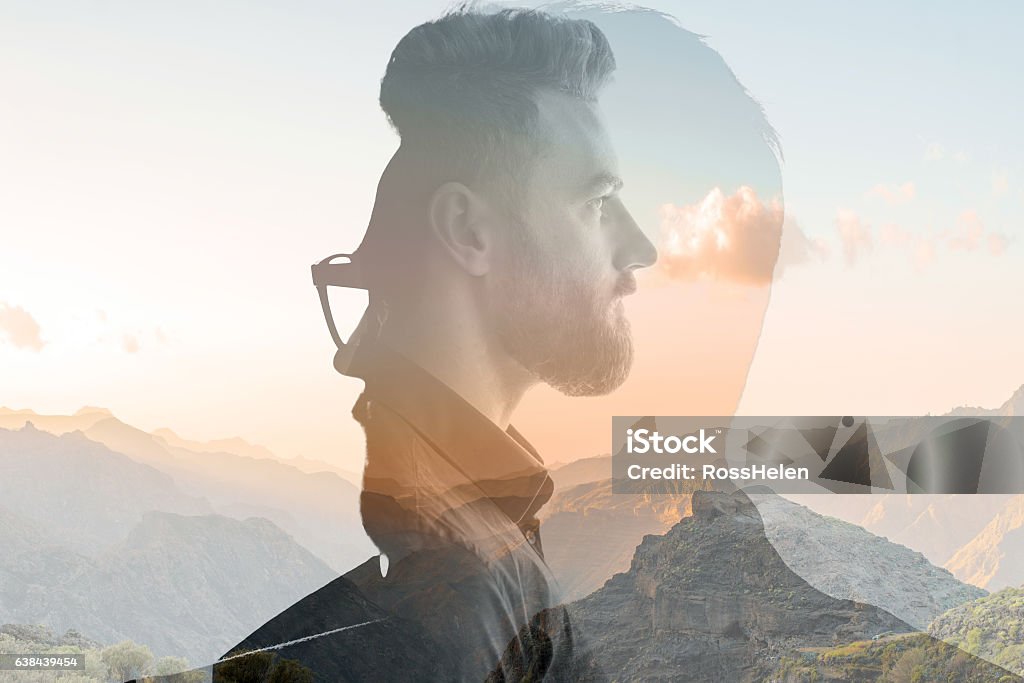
[{"x": 557, "y": 292}]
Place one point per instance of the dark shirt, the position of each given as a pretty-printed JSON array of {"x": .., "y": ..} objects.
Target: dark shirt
[{"x": 451, "y": 500}]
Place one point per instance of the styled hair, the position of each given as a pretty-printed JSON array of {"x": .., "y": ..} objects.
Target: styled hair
[{"x": 460, "y": 90}]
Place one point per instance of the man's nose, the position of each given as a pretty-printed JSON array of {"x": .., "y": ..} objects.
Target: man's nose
[{"x": 634, "y": 250}]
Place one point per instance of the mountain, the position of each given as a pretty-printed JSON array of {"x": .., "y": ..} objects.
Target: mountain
[
  {"x": 312, "y": 466},
  {"x": 96, "y": 540},
  {"x": 936, "y": 525},
  {"x": 995, "y": 558},
  {"x": 183, "y": 585},
  {"x": 235, "y": 445},
  {"x": 590, "y": 533},
  {"x": 845, "y": 561},
  {"x": 1010, "y": 407},
  {"x": 582, "y": 471},
  {"x": 712, "y": 600},
  {"x": 900, "y": 658},
  {"x": 85, "y": 494},
  {"x": 991, "y": 627},
  {"x": 321, "y": 509},
  {"x": 55, "y": 424}
]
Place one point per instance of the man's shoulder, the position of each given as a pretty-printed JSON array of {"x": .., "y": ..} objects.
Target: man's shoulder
[
  {"x": 335, "y": 605},
  {"x": 339, "y": 634}
]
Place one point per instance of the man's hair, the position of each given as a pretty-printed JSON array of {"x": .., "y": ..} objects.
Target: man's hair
[{"x": 460, "y": 90}]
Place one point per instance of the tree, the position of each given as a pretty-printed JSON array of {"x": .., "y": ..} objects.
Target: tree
[
  {"x": 126, "y": 660},
  {"x": 907, "y": 666},
  {"x": 176, "y": 670}
]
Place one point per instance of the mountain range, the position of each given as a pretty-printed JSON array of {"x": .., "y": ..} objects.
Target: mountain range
[{"x": 126, "y": 547}]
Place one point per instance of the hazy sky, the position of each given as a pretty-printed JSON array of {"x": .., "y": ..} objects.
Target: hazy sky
[{"x": 168, "y": 171}]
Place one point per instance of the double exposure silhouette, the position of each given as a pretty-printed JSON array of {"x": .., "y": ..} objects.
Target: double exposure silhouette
[{"x": 500, "y": 255}]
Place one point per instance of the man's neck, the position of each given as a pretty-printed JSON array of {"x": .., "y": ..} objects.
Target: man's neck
[{"x": 459, "y": 355}]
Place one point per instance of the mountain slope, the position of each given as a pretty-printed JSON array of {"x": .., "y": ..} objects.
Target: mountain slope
[
  {"x": 995, "y": 558},
  {"x": 991, "y": 627},
  {"x": 183, "y": 585},
  {"x": 845, "y": 561},
  {"x": 87, "y": 495},
  {"x": 590, "y": 533},
  {"x": 712, "y": 600}
]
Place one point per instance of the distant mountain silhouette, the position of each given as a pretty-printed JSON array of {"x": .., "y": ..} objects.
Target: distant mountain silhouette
[
  {"x": 995, "y": 557},
  {"x": 183, "y": 585},
  {"x": 96, "y": 540},
  {"x": 320, "y": 509},
  {"x": 87, "y": 495}
]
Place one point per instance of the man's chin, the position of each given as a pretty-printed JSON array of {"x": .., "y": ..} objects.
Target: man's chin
[{"x": 598, "y": 379}]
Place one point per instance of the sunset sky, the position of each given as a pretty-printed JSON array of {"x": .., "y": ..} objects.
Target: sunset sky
[{"x": 169, "y": 171}]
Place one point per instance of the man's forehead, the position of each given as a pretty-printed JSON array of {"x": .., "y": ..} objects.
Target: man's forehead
[{"x": 577, "y": 150}]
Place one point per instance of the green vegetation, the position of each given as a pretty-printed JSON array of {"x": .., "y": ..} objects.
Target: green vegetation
[
  {"x": 991, "y": 627},
  {"x": 914, "y": 658},
  {"x": 111, "y": 664}
]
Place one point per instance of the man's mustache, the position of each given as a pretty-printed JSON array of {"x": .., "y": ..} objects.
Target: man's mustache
[{"x": 625, "y": 285}]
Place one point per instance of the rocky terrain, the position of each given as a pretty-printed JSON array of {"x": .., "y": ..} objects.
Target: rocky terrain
[
  {"x": 591, "y": 533},
  {"x": 845, "y": 561},
  {"x": 86, "y": 495},
  {"x": 186, "y": 586},
  {"x": 95, "y": 540},
  {"x": 712, "y": 600},
  {"x": 320, "y": 509}
]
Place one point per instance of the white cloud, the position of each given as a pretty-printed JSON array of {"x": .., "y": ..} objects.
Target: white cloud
[
  {"x": 20, "y": 328},
  {"x": 854, "y": 235},
  {"x": 734, "y": 237},
  {"x": 896, "y": 194}
]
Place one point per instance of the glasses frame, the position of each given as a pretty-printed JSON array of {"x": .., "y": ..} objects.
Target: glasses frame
[{"x": 326, "y": 274}]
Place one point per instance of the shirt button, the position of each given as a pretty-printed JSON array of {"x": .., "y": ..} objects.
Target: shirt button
[{"x": 531, "y": 537}]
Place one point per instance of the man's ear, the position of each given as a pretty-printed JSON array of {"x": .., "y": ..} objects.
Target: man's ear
[{"x": 458, "y": 217}]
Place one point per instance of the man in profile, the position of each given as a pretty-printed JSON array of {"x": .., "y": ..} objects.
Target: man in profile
[{"x": 496, "y": 258}]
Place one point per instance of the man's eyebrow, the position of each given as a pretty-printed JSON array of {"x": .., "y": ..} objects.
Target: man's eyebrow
[{"x": 604, "y": 180}]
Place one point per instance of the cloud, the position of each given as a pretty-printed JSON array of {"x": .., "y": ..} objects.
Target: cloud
[
  {"x": 924, "y": 252},
  {"x": 734, "y": 238},
  {"x": 130, "y": 343},
  {"x": 20, "y": 328},
  {"x": 897, "y": 194},
  {"x": 854, "y": 235},
  {"x": 797, "y": 248},
  {"x": 968, "y": 234},
  {"x": 997, "y": 243},
  {"x": 892, "y": 234}
]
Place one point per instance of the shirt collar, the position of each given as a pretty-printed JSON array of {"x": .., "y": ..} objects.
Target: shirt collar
[{"x": 502, "y": 463}]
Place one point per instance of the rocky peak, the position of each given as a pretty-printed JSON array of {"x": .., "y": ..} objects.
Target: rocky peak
[
  {"x": 713, "y": 600},
  {"x": 707, "y": 505}
]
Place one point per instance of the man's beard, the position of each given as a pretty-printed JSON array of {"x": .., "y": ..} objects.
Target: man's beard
[{"x": 563, "y": 333}]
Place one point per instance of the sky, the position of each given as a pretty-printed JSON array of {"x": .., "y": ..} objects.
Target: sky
[{"x": 168, "y": 172}]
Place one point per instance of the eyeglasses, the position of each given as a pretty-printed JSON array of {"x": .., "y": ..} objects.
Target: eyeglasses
[{"x": 326, "y": 274}]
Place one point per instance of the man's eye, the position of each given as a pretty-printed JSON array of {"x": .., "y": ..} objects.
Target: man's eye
[{"x": 597, "y": 204}]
